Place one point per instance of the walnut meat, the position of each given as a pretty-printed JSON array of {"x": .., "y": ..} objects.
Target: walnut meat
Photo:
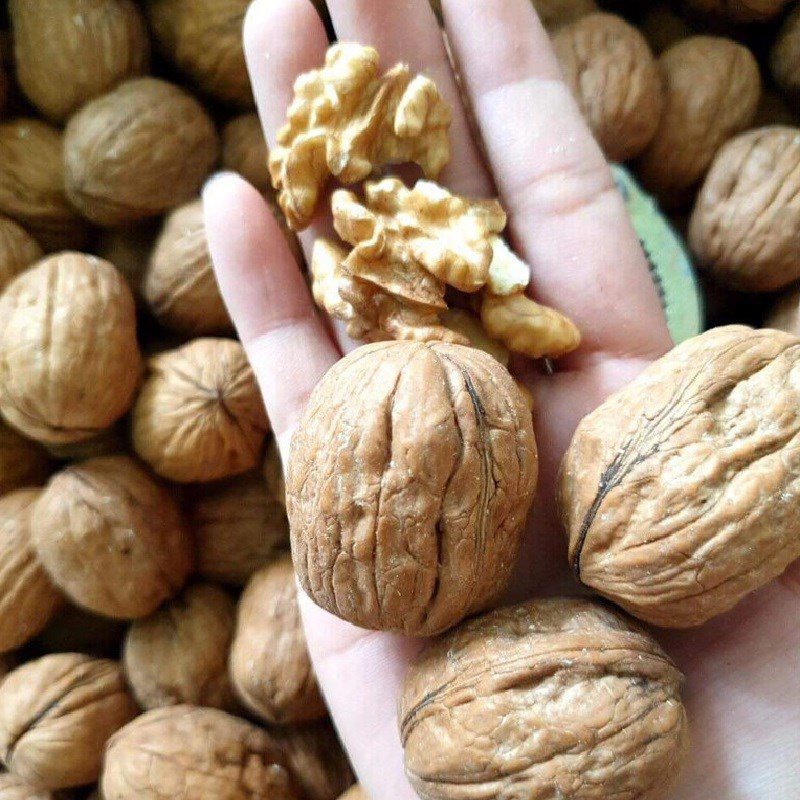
[
  {"x": 179, "y": 654},
  {"x": 18, "y": 251},
  {"x": 611, "y": 71},
  {"x": 111, "y": 538},
  {"x": 22, "y": 463},
  {"x": 68, "y": 52},
  {"x": 785, "y": 56},
  {"x": 680, "y": 493},
  {"x": 786, "y": 314},
  {"x": 69, "y": 359},
  {"x": 407, "y": 498},
  {"x": 745, "y": 229},
  {"x": 554, "y": 698},
  {"x": 195, "y": 754},
  {"x": 56, "y": 714},
  {"x": 270, "y": 666},
  {"x": 27, "y": 597},
  {"x": 137, "y": 151},
  {"x": 739, "y": 10},
  {"x": 13, "y": 787}
]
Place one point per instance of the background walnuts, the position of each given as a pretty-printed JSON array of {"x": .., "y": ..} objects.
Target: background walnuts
[
  {"x": 18, "y": 250},
  {"x": 785, "y": 55},
  {"x": 22, "y": 463},
  {"x": 244, "y": 150}
]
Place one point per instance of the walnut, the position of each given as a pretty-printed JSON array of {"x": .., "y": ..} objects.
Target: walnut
[
  {"x": 195, "y": 754},
  {"x": 712, "y": 92},
  {"x": 179, "y": 654},
  {"x": 244, "y": 150},
  {"x": 407, "y": 498},
  {"x": 68, "y": 52},
  {"x": 679, "y": 494},
  {"x": 238, "y": 525},
  {"x": 179, "y": 285},
  {"x": 137, "y": 151},
  {"x": 56, "y": 714},
  {"x": 74, "y": 630},
  {"x": 69, "y": 360},
  {"x": 785, "y": 56},
  {"x": 354, "y": 793},
  {"x": 739, "y": 10},
  {"x": 128, "y": 249},
  {"x": 786, "y": 314},
  {"x": 32, "y": 184},
  {"x": 745, "y": 222},
  {"x": 467, "y": 325},
  {"x": 611, "y": 71},
  {"x": 22, "y": 463},
  {"x": 346, "y": 120},
  {"x": 13, "y": 787},
  {"x": 18, "y": 251},
  {"x": 199, "y": 416},
  {"x": 554, "y": 698},
  {"x": 270, "y": 666},
  {"x": 27, "y": 598},
  {"x": 111, "y": 538},
  {"x": 555, "y": 13}
]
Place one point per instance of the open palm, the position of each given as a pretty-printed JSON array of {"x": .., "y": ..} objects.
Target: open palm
[{"x": 567, "y": 220}]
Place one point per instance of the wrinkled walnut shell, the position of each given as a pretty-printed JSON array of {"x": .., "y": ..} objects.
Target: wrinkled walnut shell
[
  {"x": 410, "y": 478},
  {"x": 680, "y": 493},
  {"x": 12, "y": 787},
  {"x": 555, "y": 698},
  {"x": 786, "y": 314},
  {"x": 18, "y": 251},
  {"x": 22, "y": 463}
]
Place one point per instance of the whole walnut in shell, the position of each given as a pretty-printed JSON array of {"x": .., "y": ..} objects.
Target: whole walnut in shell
[
  {"x": 179, "y": 286},
  {"x": 137, "y": 151},
  {"x": 112, "y": 538},
  {"x": 244, "y": 150},
  {"x": 69, "y": 359},
  {"x": 18, "y": 250},
  {"x": 12, "y": 787},
  {"x": 56, "y": 714},
  {"x": 745, "y": 229},
  {"x": 612, "y": 73},
  {"x": 407, "y": 495},
  {"x": 179, "y": 654},
  {"x": 680, "y": 493},
  {"x": 786, "y": 314},
  {"x": 68, "y": 52},
  {"x": 27, "y": 597},
  {"x": 739, "y": 10},
  {"x": 270, "y": 666},
  {"x": 785, "y": 56},
  {"x": 200, "y": 416},
  {"x": 195, "y": 754},
  {"x": 22, "y": 463}
]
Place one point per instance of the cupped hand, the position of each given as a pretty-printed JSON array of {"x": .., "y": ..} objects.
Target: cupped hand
[{"x": 568, "y": 221}]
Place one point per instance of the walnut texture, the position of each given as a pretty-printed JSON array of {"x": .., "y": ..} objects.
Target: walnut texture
[
  {"x": 13, "y": 787},
  {"x": 555, "y": 698},
  {"x": 785, "y": 56},
  {"x": 346, "y": 120},
  {"x": 785, "y": 316},
  {"x": 22, "y": 462},
  {"x": 680, "y": 493},
  {"x": 407, "y": 498},
  {"x": 18, "y": 250},
  {"x": 739, "y": 10}
]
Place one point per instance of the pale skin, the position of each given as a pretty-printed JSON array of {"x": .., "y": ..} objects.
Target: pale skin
[{"x": 569, "y": 223}]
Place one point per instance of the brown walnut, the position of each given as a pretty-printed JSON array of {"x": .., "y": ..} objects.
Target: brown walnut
[
  {"x": 785, "y": 56},
  {"x": 739, "y": 10},
  {"x": 786, "y": 314},
  {"x": 552, "y": 699},
  {"x": 407, "y": 496},
  {"x": 680, "y": 493},
  {"x": 22, "y": 462},
  {"x": 18, "y": 250}
]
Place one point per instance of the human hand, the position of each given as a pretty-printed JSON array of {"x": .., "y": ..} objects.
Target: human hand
[{"x": 567, "y": 220}]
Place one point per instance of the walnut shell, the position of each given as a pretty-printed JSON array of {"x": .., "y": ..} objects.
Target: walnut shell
[
  {"x": 200, "y": 416},
  {"x": 238, "y": 525},
  {"x": 18, "y": 251},
  {"x": 712, "y": 91},
  {"x": 555, "y": 13},
  {"x": 270, "y": 666},
  {"x": 12, "y": 787},
  {"x": 75, "y": 630},
  {"x": 137, "y": 151},
  {"x": 244, "y": 150},
  {"x": 111, "y": 538},
  {"x": 179, "y": 654},
  {"x": 739, "y": 10},
  {"x": 410, "y": 478},
  {"x": 680, "y": 493},
  {"x": 195, "y": 754},
  {"x": 555, "y": 698},
  {"x": 69, "y": 360},
  {"x": 27, "y": 597},
  {"x": 56, "y": 714},
  {"x": 785, "y": 55},
  {"x": 22, "y": 463},
  {"x": 32, "y": 184},
  {"x": 611, "y": 71},
  {"x": 68, "y": 52},
  {"x": 179, "y": 285},
  {"x": 745, "y": 228},
  {"x": 786, "y": 314},
  {"x": 128, "y": 249}
]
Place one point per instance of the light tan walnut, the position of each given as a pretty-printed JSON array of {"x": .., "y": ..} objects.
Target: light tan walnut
[
  {"x": 28, "y": 599},
  {"x": 195, "y": 754},
  {"x": 112, "y": 538},
  {"x": 785, "y": 56},
  {"x": 745, "y": 224},
  {"x": 179, "y": 654},
  {"x": 179, "y": 286},
  {"x": 611, "y": 70},
  {"x": 74, "y": 630},
  {"x": 554, "y": 698},
  {"x": 128, "y": 249},
  {"x": 786, "y": 314},
  {"x": 407, "y": 498},
  {"x": 739, "y": 10},
  {"x": 270, "y": 666},
  {"x": 68, "y": 52},
  {"x": 22, "y": 462},
  {"x": 137, "y": 151},
  {"x": 663, "y": 27},
  {"x": 679, "y": 494},
  {"x": 555, "y": 13},
  {"x": 18, "y": 251},
  {"x": 713, "y": 88},
  {"x": 346, "y": 120},
  {"x": 13, "y": 787},
  {"x": 200, "y": 416},
  {"x": 69, "y": 359},
  {"x": 56, "y": 714},
  {"x": 244, "y": 150}
]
